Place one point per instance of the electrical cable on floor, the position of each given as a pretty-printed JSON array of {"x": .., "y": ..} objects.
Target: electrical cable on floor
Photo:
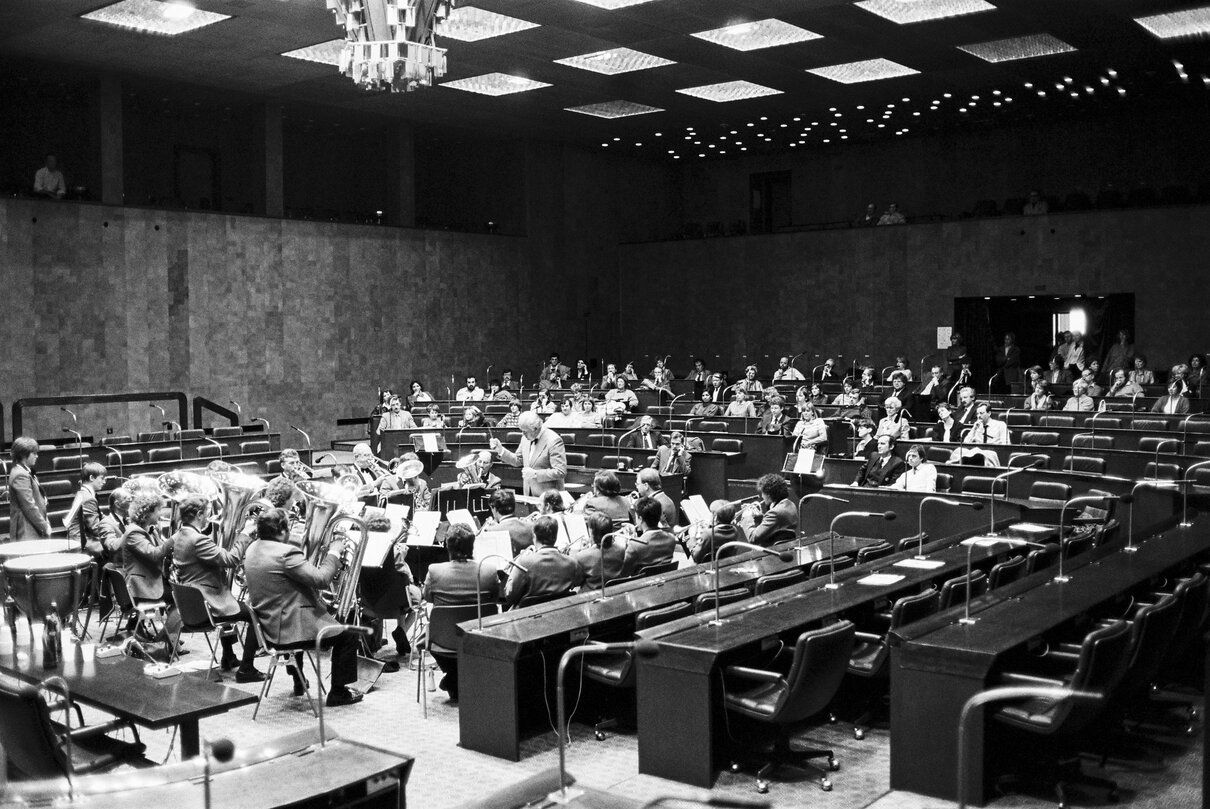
[
  {"x": 546, "y": 695},
  {"x": 579, "y": 696},
  {"x": 171, "y": 745}
]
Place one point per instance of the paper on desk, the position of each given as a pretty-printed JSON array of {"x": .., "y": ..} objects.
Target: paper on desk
[
  {"x": 922, "y": 564},
  {"x": 424, "y": 528},
  {"x": 804, "y": 464},
  {"x": 1032, "y": 527},
  {"x": 880, "y": 579},
  {"x": 572, "y": 529}
]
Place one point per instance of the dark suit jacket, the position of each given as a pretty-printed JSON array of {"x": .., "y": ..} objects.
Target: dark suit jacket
[
  {"x": 590, "y": 561},
  {"x": 635, "y": 440},
  {"x": 113, "y": 530},
  {"x": 778, "y": 517},
  {"x": 452, "y": 583},
  {"x": 617, "y": 509},
  {"x": 766, "y": 425},
  {"x": 652, "y": 548},
  {"x": 940, "y": 433},
  {"x": 967, "y": 417},
  {"x": 202, "y": 563},
  {"x": 27, "y": 506},
  {"x": 283, "y": 591},
  {"x": 85, "y": 529},
  {"x": 715, "y": 537},
  {"x": 143, "y": 563},
  {"x": 909, "y": 401},
  {"x": 669, "y": 512},
  {"x": 668, "y": 464},
  {"x": 1009, "y": 364},
  {"x": 546, "y": 572},
  {"x": 874, "y": 473}
]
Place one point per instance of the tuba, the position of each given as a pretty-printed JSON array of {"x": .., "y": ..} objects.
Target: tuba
[
  {"x": 176, "y": 485},
  {"x": 237, "y": 491},
  {"x": 328, "y": 506}
]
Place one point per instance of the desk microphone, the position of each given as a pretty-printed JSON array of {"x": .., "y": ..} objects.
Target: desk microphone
[
  {"x": 991, "y": 529},
  {"x": 976, "y": 505},
  {"x": 785, "y": 556},
  {"x": 885, "y": 515},
  {"x": 643, "y": 648},
  {"x": 222, "y": 750},
  {"x": 239, "y": 411}
]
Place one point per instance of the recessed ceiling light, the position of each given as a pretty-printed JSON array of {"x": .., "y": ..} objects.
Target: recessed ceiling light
[
  {"x": 729, "y": 91},
  {"x": 614, "y": 109},
  {"x": 612, "y": 5},
  {"x": 867, "y": 70},
  {"x": 470, "y": 24},
  {"x": 1190, "y": 22},
  {"x": 899, "y": 11},
  {"x": 154, "y": 17},
  {"x": 495, "y": 84},
  {"x": 751, "y": 36},
  {"x": 617, "y": 60},
  {"x": 325, "y": 53},
  {"x": 1026, "y": 47}
]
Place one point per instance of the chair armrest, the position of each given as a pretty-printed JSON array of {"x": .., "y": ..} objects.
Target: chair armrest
[
  {"x": 99, "y": 730},
  {"x": 1015, "y": 678},
  {"x": 96, "y": 764},
  {"x": 1074, "y": 648},
  {"x": 1060, "y": 654},
  {"x": 869, "y": 637},
  {"x": 759, "y": 675}
]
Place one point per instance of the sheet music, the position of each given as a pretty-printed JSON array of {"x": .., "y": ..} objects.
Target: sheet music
[
  {"x": 424, "y": 528},
  {"x": 804, "y": 464},
  {"x": 695, "y": 508},
  {"x": 922, "y": 564},
  {"x": 429, "y": 442},
  {"x": 461, "y": 516},
  {"x": 568, "y": 500},
  {"x": 880, "y": 579},
  {"x": 378, "y": 545},
  {"x": 490, "y": 543},
  {"x": 394, "y": 511}
]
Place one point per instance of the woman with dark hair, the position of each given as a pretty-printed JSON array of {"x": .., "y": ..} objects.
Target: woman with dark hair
[
  {"x": 458, "y": 581},
  {"x": 1040, "y": 398},
  {"x": 606, "y": 555},
  {"x": 1197, "y": 372},
  {"x": 816, "y": 396},
  {"x": 143, "y": 555},
  {"x": 1140, "y": 374},
  {"x": 418, "y": 395},
  {"x": 27, "y": 504},
  {"x": 435, "y": 417},
  {"x": 543, "y": 405},
  {"x": 607, "y": 498},
  {"x": 201, "y": 563}
]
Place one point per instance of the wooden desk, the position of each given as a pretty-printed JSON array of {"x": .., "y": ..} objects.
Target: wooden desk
[
  {"x": 938, "y": 664},
  {"x": 679, "y": 696},
  {"x": 117, "y": 685},
  {"x": 496, "y": 696}
]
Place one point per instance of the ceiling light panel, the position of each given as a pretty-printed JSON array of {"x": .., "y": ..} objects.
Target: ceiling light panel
[
  {"x": 154, "y": 17},
  {"x": 1191, "y": 22},
  {"x": 729, "y": 91},
  {"x": 325, "y": 53},
  {"x": 1026, "y": 47},
  {"x": 612, "y": 5},
  {"x": 867, "y": 70},
  {"x": 470, "y": 24},
  {"x": 909, "y": 11},
  {"x": 751, "y": 36},
  {"x": 495, "y": 84},
  {"x": 614, "y": 109},
  {"x": 617, "y": 60}
]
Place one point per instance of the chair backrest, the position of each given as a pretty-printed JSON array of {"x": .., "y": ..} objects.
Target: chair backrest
[
  {"x": 1162, "y": 471},
  {"x": 954, "y": 590},
  {"x": 915, "y": 607},
  {"x": 1050, "y": 491},
  {"x": 128, "y": 457},
  {"x": 1080, "y": 542},
  {"x": 876, "y": 551},
  {"x": 1154, "y": 628},
  {"x": 191, "y": 605},
  {"x": 229, "y": 431},
  {"x": 1193, "y": 596},
  {"x": 1006, "y": 572},
  {"x": 1165, "y": 446},
  {"x": 659, "y": 410},
  {"x": 116, "y": 439},
  {"x": 443, "y": 622},
  {"x": 471, "y": 437},
  {"x": 1093, "y": 441},
  {"x": 705, "y": 601},
  {"x": 1056, "y": 420},
  {"x": 1018, "y": 419},
  {"x": 937, "y": 454},
  {"x": 1019, "y": 459},
  {"x": 56, "y": 488},
  {"x": 821, "y": 658},
  {"x": 1202, "y": 449},
  {"x": 1041, "y": 558},
  {"x": 117, "y": 586},
  {"x": 612, "y": 461},
  {"x": 163, "y": 454},
  {"x": 821, "y": 567},
  {"x": 191, "y": 435},
  {"x": 1089, "y": 464},
  {"x": 713, "y": 426},
  {"x": 973, "y": 484},
  {"x": 530, "y": 601},
  {"x": 945, "y": 481},
  {"x": 776, "y": 581},
  {"x": 664, "y": 615},
  {"x": 248, "y": 447},
  {"x": 155, "y": 436},
  {"x": 208, "y": 451},
  {"x": 726, "y": 445},
  {"x": 27, "y": 735},
  {"x": 1104, "y": 656},
  {"x": 67, "y": 462},
  {"x": 1040, "y": 438},
  {"x": 658, "y": 568},
  {"x": 1150, "y": 425},
  {"x": 600, "y": 440},
  {"x": 577, "y": 459}
]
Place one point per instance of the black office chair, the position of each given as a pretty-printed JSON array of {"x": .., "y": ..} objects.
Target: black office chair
[
  {"x": 776, "y": 581},
  {"x": 705, "y": 601},
  {"x": 1041, "y": 558},
  {"x": 954, "y": 590},
  {"x": 37, "y": 747},
  {"x": 819, "y": 660},
  {"x": 529, "y": 601},
  {"x": 441, "y": 637},
  {"x": 1006, "y": 572},
  {"x": 196, "y": 618},
  {"x": 872, "y": 654},
  {"x": 1049, "y": 491},
  {"x": 876, "y": 551},
  {"x": 1094, "y": 441},
  {"x": 1019, "y": 459},
  {"x": 616, "y": 669},
  {"x": 1081, "y": 540},
  {"x": 1047, "y": 726},
  {"x": 822, "y": 567},
  {"x": 1193, "y": 598},
  {"x": 657, "y": 569}
]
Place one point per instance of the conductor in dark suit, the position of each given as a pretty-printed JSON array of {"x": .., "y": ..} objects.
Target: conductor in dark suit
[
  {"x": 541, "y": 455},
  {"x": 780, "y": 519},
  {"x": 543, "y": 570},
  {"x": 27, "y": 504},
  {"x": 882, "y": 469},
  {"x": 283, "y": 591},
  {"x": 201, "y": 563}
]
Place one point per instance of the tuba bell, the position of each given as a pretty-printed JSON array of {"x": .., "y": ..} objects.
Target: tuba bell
[
  {"x": 328, "y": 506},
  {"x": 237, "y": 491}
]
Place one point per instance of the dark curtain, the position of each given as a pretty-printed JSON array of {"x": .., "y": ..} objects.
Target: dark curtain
[{"x": 972, "y": 319}]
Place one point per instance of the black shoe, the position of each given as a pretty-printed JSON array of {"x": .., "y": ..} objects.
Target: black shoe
[
  {"x": 300, "y": 682},
  {"x": 402, "y": 647},
  {"x": 344, "y": 696},
  {"x": 444, "y": 685},
  {"x": 229, "y": 661},
  {"x": 390, "y": 667},
  {"x": 251, "y": 676}
]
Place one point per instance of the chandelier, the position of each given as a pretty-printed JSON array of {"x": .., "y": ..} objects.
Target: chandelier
[{"x": 389, "y": 44}]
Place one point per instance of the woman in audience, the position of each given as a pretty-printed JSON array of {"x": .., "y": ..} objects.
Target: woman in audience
[
  {"x": 543, "y": 405},
  {"x": 473, "y": 418},
  {"x": 921, "y": 476},
  {"x": 1180, "y": 375},
  {"x": 1174, "y": 403},
  {"x": 866, "y": 445},
  {"x": 435, "y": 417},
  {"x": 564, "y": 418},
  {"x": 458, "y": 581},
  {"x": 588, "y": 417},
  {"x": 817, "y": 396},
  {"x": 384, "y": 402},
  {"x": 895, "y": 424},
  {"x": 629, "y": 373},
  {"x": 901, "y": 367},
  {"x": 947, "y": 429},
  {"x": 1140, "y": 374},
  {"x": 810, "y": 429},
  {"x": 740, "y": 406},
  {"x": 1197, "y": 372},
  {"x": 418, "y": 395},
  {"x": 1058, "y": 373},
  {"x": 721, "y": 530},
  {"x": 1121, "y": 354},
  {"x": 509, "y": 420},
  {"x": 604, "y": 559},
  {"x": 1040, "y": 399},
  {"x": 706, "y": 408}
]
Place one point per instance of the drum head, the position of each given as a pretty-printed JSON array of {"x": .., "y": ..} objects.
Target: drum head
[
  {"x": 30, "y": 547},
  {"x": 47, "y": 563}
]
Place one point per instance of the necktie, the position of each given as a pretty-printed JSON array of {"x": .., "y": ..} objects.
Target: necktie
[
  {"x": 984, "y": 433},
  {"x": 647, "y": 441}
]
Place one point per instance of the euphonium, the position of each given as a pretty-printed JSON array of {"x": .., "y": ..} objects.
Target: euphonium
[
  {"x": 238, "y": 490},
  {"x": 325, "y": 505},
  {"x": 176, "y": 485}
]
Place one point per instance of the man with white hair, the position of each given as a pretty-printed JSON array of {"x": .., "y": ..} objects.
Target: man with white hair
[
  {"x": 479, "y": 472},
  {"x": 540, "y": 454}
]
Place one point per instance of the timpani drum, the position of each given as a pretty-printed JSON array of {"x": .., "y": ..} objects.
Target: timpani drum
[
  {"x": 35, "y": 582},
  {"x": 30, "y": 547}
]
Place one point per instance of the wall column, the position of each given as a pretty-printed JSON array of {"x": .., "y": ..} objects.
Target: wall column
[
  {"x": 405, "y": 177},
  {"x": 274, "y": 171},
  {"x": 113, "y": 191}
]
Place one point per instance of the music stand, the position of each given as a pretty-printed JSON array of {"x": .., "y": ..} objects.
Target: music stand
[{"x": 430, "y": 448}]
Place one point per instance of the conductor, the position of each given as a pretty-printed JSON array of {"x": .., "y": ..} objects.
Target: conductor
[{"x": 540, "y": 455}]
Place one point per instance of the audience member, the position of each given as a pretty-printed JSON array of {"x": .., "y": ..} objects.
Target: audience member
[
  {"x": 947, "y": 429},
  {"x": 892, "y": 216},
  {"x": 774, "y": 421},
  {"x": 786, "y": 372},
  {"x": 706, "y": 408},
  {"x": 1174, "y": 403},
  {"x": 779, "y": 520},
  {"x": 868, "y": 219},
  {"x": 919, "y": 476},
  {"x": 986, "y": 430},
  {"x": 48, "y": 180},
  {"x": 645, "y": 436},
  {"x": 1121, "y": 353},
  {"x": 1008, "y": 360},
  {"x": 894, "y": 424},
  {"x": 883, "y": 468},
  {"x": 471, "y": 392},
  {"x": 740, "y": 406},
  {"x": 1036, "y": 205},
  {"x": 1080, "y": 400},
  {"x": 673, "y": 458},
  {"x": 1040, "y": 398},
  {"x": 1139, "y": 373}
]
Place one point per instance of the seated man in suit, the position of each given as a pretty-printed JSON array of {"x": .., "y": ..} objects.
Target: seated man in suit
[
  {"x": 899, "y": 390},
  {"x": 283, "y": 591},
  {"x": 1089, "y": 375},
  {"x": 986, "y": 429},
  {"x": 965, "y": 412},
  {"x": 673, "y": 458},
  {"x": 932, "y": 390},
  {"x": 649, "y": 484},
  {"x": 503, "y": 505},
  {"x": 774, "y": 421},
  {"x": 653, "y": 545},
  {"x": 84, "y": 526},
  {"x": 606, "y": 555},
  {"x": 543, "y": 570},
  {"x": 721, "y": 530},
  {"x": 780, "y": 518},
  {"x": 645, "y": 437},
  {"x": 882, "y": 469}
]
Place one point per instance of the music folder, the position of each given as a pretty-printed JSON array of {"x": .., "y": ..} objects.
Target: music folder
[
  {"x": 695, "y": 509},
  {"x": 429, "y": 442},
  {"x": 424, "y": 528}
]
